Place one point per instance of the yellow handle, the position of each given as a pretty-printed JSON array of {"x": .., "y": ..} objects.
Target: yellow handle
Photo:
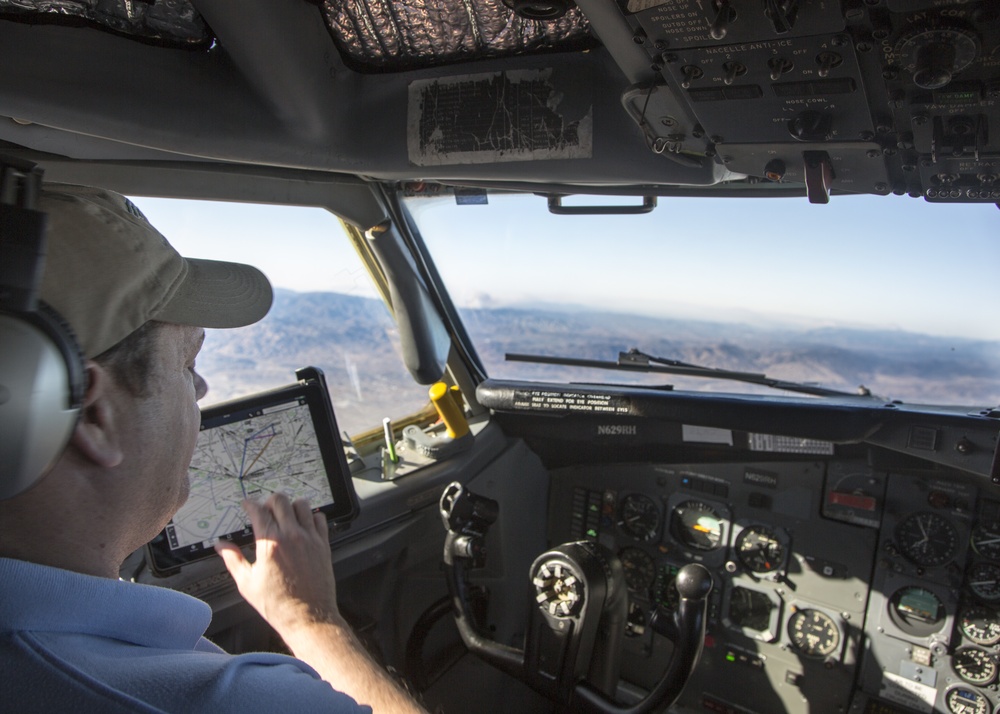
[{"x": 447, "y": 408}]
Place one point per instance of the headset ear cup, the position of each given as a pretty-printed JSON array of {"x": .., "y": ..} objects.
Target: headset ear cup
[
  {"x": 63, "y": 337},
  {"x": 41, "y": 390}
]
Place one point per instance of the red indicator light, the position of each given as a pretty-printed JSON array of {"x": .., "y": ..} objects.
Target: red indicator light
[
  {"x": 851, "y": 500},
  {"x": 938, "y": 499}
]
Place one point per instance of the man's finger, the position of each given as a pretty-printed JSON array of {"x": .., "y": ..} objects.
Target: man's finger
[
  {"x": 260, "y": 516},
  {"x": 232, "y": 556},
  {"x": 322, "y": 527},
  {"x": 303, "y": 512},
  {"x": 281, "y": 507}
]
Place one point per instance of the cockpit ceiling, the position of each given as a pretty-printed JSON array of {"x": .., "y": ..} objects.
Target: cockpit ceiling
[
  {"x": 169, "y": 22},
  {"x": 379, "y": 34},
  {"x": 372, "y": 35}
]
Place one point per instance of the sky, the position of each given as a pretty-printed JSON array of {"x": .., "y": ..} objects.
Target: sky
[{"x": 880, "y": 262}]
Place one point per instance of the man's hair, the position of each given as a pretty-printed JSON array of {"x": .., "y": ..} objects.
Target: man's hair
[{"x": 131, "y": 360}]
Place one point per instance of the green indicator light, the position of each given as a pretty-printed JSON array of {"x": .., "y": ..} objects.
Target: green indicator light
[
  {"x": 592, "y": 533},
  {"x": 593, "y": 508},
  {"x": 730, "y": 657}
]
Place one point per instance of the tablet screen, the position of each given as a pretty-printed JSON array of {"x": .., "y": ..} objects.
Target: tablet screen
[{"x": 280, "y": 441}]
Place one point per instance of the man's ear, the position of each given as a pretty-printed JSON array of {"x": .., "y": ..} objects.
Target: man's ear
[{"x": 95, "y": 435}]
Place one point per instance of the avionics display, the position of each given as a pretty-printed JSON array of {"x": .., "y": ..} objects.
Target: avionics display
[{"x": 282, "y": 441}]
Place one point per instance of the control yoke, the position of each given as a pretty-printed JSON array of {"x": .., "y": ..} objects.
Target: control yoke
[{"x": 572, "y": 650}]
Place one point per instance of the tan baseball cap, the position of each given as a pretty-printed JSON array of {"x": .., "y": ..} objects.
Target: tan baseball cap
[{"x": 108, "y": 271}]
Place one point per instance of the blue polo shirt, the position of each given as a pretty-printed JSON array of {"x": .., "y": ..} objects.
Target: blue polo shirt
[{"x": 73, "y": 642}]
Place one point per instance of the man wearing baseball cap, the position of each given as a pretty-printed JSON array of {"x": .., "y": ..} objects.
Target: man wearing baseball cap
[{"x": 73, "y": 637}]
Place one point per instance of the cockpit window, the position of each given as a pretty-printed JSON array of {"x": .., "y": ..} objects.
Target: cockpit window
[
  {"x": 326, "y": 312},
  {"x": 893, "y": 294}
]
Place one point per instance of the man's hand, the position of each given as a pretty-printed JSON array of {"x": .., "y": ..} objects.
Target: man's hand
[{"x": 291, "y": 584}]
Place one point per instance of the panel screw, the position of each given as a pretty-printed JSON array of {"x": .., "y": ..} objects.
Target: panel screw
[
  {"x": 864, "y": 47},
  {"x": 639, "y": 37},
  {"x": 867, "y": 136},
  {"x": 873, "y": 153},
  {"x": 661, "y": 45},
  {"x": 668, "y": 121},
  {"x": 881, "y": 187}
]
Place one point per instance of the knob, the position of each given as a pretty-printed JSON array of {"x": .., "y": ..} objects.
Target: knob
[
  {"x": 694, "y": 582},
  {"x": 934, "y": 55},
  {"x": 811, "y": 125},
  {"x": 935, "y": 63}
]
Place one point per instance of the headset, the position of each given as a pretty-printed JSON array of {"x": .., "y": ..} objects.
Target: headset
[{"x": 42, "y": 377}]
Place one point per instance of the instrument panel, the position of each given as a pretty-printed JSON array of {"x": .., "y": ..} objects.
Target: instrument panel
[{"x": 837, "y": 587}]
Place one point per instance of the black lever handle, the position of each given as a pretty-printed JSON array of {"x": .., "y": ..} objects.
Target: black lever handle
[{"x": 686, "y": 629}]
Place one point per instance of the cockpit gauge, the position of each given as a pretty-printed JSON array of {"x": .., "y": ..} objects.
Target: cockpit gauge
[
  {"x": 974, "y": 665},
  {"x": 981, "y": 625},
  {"x": 965, "y": 701},
  {"x": 926, "y": 539},
  {"x": 813, "y": 633},
  {"x": 639, "y": 517},
  {"x": 917, "y": 611},
  {"x": 759, "y": 550},
  {"x": 697, "y": 525},
  {"x": 751, "y": 610},
  {"x": 986, "y": 541},
  {"x": 983, "y": 580},
  {"x": 640, "y": 571}
]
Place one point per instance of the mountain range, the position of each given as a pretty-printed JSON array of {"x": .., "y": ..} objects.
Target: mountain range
[{"x": 354, "y": 340}]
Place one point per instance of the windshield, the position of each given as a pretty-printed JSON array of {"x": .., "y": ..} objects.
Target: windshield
[{"x": 890, "y": 293}]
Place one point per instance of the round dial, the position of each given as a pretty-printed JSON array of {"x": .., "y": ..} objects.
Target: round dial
[
  {"x": 639, "y": 568},
  {"x": 983, "y": 580},
  {"x": 813, "y": 633},
  {"x": 697, "y": 525},
  {"x": 980, "y": 624},
  {"x": 639, "y": 517},
  {"x": 964, "y": 701},
  {"x": 926, "y": 539},
  {"x": 986, "y": 541},
  {"x": 975, "y": 666},
  {"x": 932, "y": 56},
  {"x": 759, "y": 550}
]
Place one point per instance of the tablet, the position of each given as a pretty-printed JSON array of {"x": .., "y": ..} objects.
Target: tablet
[{"x": 284, "y": 440}]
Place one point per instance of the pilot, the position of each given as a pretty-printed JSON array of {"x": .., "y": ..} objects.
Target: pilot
[{"x": 73, "y": 636}]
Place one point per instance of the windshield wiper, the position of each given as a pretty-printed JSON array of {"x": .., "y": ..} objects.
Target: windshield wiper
[{"x": 637, "y": 361}]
